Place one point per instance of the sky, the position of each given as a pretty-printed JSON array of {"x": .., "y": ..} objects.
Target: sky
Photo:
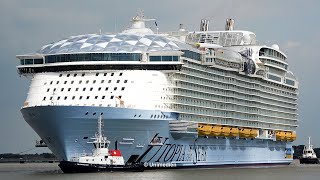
[{"x": 25, "y": 26}]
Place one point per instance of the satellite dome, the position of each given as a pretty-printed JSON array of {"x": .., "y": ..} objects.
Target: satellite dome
[{"x": 275, "y": 46}]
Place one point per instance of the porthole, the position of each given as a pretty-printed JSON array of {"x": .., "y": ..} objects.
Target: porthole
[
  {"x": 80, "y": 81},
  {"x": 73, "y": 97},
  {"x": 68, "y": 75},
  {"x": 107, "y": 88},
  {"x": 44, "y": 98},
  {"x": 77, "y": 89},
  {"x": 125, "y": 81},
  {"x": 82, "y": 74},
  {"x": 111, "y": 97},
  {"x": 96, "y": 97},
  {"x": 54, "y": 89},
  {"x": 60, "y": 75},
  {"x": 80, "y": 97},
  {"x": 58, "y": 98},
  {"x": 72, "y": 82},
  {"x": 91, "y": 89},
  {"x": 62, "y": 89},
  {"x": 48, "y": 89},
  {"x": 97, "y": 74},
  {"x": 112, "y": 74},
  {"x": 94, "y": 113},
  {"x": 118, "y": 81},
  {"x": 122, "y": 89},
  {"x": 57, "y": 82},
  {"x": 75, "y": 75},
  {"x": 120, "y": 74},
  {"x": 105, "y": 74},
  {"x": 99, "y": 88},
  {"x": 115, "y": 88},
  {"x": 65, "y": 98},
  {"x": 69, "y": 89},
  {"x": 88, "y": 97},
  {"x": 102, "y": 81},
  {"x": 87, "y": 81},
  {"x": 103, "y": 97},
  {"x": 94, "y": 81},
  {"x": 109, "y": 81},
  {"x": 65, "y": 82},
  {"x": 83, "y": 89}
]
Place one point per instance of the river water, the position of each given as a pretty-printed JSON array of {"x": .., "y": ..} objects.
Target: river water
[{"x": 43, "y": 171}]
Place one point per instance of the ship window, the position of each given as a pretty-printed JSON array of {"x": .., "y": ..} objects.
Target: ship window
[
  {"x": 57, "y": 82},
  {"x": 105, "y": 74},
  {"x": 87, "y": 81},
  {"x": 91, "y": 89},
  {"x": 62, "y": 89},
  {"x": 44, "y": 98},
  {"x": 75, "y": 75},
  {"x": 103, "y": 97},
  {"x": 122, "y": 88},
  {"x": 107, "y": 88},
  {"x": 109, "y": 81},
  {"x": 80, "y": 97},
  {"x": 65, "y": 98},
  {"x": 68, "y": 75},
  {"x": 88, "y": 97},
  {"x": 72, "y": 82},
  {"x": 80, "y": 81},
  {"x": 48, "y": 89},
  {"x": 118, "y": 81},
  {"x": 96, "y": 97},
  {"x": 69, "y": 89},
  {"x": 77, "y": 89},
  {"x": 119, "y": 97},
  {"x": 73, "y": 97},
  {"x": 125, "y": 81},
  {"x": 54, "y": 89},
  {"x": 102, "y": 81},
  {"x": 86, "y": 112},
  {"x": 97, "y": 74},
  {"x": 115, "y": 88},
  {"x": 60, "y": 75},
  {"x": 82, "y": 74},
  {"x": 120, "y": 74},
  {"x": 65, "y": 82},
  {"x": 111, "y": 97},
  {"x": 51, "y": 82},
  {"x": 99, "y": 88},
  {"x": 83, "y": 89},
  {"x": 58, "y": 98},
  {"x": 94, "y": 81},
  {"x": 112, "y": 74}
]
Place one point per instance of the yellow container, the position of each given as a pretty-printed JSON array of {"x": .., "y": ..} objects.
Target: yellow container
[{"x": 216, "y": 130}]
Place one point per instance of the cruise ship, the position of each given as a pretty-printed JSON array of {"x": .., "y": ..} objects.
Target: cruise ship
[{"x": 178, "y": 99}]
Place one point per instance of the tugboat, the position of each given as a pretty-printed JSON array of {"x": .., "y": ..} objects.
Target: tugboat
[
  {"x": 309, "y": 156},
  {"x": 102, "y": 159}
]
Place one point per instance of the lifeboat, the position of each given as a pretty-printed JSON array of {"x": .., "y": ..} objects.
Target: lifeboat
[
  {"x": 204, "y": 130},
  {"x": 244, "y": 132},
  {"x": 234, "y": 132},
  {"x": 216, "y": 130},
  {"x": 253, "y": 133},
  {"x": 280, "y": 135},
  {"x": 225, "y": 131}
]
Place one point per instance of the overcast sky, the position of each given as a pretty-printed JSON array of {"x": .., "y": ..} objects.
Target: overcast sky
[{"x": 25, "y": 26}]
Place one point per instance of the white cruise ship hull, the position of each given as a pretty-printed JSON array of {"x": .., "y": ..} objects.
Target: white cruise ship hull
[{"x": 67, "y": 129}]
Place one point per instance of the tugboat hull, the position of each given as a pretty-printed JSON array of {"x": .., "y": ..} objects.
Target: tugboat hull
[
  {"x": 74, "y": 167},
  {"x": 309, "y": 161}
]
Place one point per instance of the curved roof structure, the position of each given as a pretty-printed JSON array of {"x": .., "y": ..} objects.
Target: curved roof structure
[{"x": 123, "y": 42}]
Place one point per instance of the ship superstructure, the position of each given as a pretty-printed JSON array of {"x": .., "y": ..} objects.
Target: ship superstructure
[{"x": 201, "y": 98}]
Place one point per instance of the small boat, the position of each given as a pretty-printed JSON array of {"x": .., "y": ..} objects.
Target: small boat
[
  {"x": 102, "y": 159},
  {"x": 308, "y": 155}
]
